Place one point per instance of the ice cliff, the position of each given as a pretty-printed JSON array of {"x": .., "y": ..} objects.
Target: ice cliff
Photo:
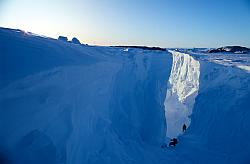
[
  {"x": 183, "y": 86},
  {"x": 218, "y": 132}
]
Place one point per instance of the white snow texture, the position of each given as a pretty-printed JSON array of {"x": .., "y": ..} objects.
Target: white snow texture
[
  {"x": 64, "y": 103},
  {"x": 182, "y": 89}
]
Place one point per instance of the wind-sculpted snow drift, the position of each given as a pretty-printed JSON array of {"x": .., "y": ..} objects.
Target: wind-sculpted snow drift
[
  {"x": 67, "y": 103},
  {"x": 221, "y": 113}
]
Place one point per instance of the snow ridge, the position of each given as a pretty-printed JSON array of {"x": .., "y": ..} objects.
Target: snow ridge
[{"x": 80, "y": 104}]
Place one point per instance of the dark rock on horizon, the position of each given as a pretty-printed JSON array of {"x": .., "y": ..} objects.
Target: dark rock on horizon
[
  {"x": 143, "y": 47},
  {"x": 231, "y": 49},
  {"x": 63, "y": 38},
  {"x": 75, "y": 41}
]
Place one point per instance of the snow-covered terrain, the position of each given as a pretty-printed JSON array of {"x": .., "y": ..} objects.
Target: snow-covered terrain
[
  {"x": 241, "y": 61},
  {"x": 218, "y": 132},
  {"x": 68, "y": 103}
]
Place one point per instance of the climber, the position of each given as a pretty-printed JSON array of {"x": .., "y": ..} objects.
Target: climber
[
  {"x": 184, "y": 128},
  {"x": 173, "y": 142}
]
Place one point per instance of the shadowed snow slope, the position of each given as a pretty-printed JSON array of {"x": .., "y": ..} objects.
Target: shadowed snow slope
[
  {"x": 67, "y": 103},
  {"x": 219, "y": 130},
  {"x": 222, "y": 112}
]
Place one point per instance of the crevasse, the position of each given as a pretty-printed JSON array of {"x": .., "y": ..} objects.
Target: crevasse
[{"x": 183, "y": 86}]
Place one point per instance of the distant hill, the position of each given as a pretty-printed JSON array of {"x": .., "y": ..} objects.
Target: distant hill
[{"x": 232, "y": 49}]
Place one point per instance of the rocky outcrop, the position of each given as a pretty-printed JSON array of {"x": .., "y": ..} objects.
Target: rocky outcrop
[
  {"x": 231, "y": 49},
  {"x": 75, "y": 41},
  {"x": 63, "y": 38}
]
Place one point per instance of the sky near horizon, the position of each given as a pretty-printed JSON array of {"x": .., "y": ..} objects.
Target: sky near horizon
[{"x": 165, "y": 23}]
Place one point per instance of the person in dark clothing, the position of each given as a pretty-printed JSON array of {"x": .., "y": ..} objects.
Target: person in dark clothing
[
  {"x": 173, "y": 142},
  {"x": 184, "y": 128}
]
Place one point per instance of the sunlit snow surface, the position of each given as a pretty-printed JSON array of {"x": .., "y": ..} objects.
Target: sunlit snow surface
[
  {"x": 218, "y": 131},
  {"x": 241, "y": 61},
  {"x": 62, "y": 103},
  {"x": 183, "y": 86}
]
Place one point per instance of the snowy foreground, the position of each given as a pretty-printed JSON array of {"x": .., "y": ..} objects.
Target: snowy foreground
[{"x": 66, "y": 103}]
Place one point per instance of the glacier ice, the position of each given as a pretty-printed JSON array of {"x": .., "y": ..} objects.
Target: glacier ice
[{"x": 183, "y": 86}]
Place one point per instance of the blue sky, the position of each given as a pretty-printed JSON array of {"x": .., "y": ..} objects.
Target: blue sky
[{"x": 165, "y": 23}]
